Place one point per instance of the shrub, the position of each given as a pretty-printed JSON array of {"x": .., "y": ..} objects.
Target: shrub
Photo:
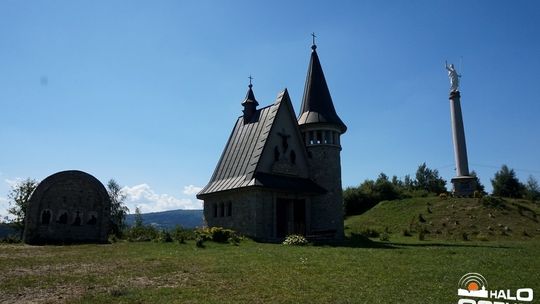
[
  {"x": 180, "y": 234},
  {"x": 143, "y": 233},
  {"x": 443, "y": 196},
  {"x": 164, "y": 237},
  {"x": 406, "y": 232},
  {"x": 492, "y": 202},
  {"x": 10, "y": 239},
  {"x": 295, "y": 240},
  {"x": 199, "y": 242},
  {"x": 217, "y": 234},
  {"x": 369, "y": 232},
  {"x": 385, "y": 237}
]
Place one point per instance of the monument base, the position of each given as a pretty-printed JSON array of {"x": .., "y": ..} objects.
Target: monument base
[{"x": 463, "y": 185}]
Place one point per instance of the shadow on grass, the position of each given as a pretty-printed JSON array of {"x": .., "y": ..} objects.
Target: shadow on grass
[
  {"x": 360, "y": 241},
  {"x": 355, "y": 241},
  {"x": 450, "y": 245}
]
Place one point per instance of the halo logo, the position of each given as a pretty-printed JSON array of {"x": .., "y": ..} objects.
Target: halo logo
[{"x": 474, "y": 285}]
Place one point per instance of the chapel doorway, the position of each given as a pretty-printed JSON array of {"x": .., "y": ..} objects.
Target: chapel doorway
[{"x": 290, "y": 217}]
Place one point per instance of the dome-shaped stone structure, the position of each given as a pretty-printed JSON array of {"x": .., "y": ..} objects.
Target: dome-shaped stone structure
[{"x": 68, "y": 207}]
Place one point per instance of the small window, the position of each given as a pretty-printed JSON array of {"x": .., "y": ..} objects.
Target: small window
[
  {"x": 215, "y": 209},
  {"x": 319, "y": 138},
  {"x": 46, "y": 217},
  {"x": 62, "y": 219},
  {"x": 229, "y": 208},
  {"x": 92, "y": 219},
  {"x": 276, "y": 153},
  {"x": 293, "y": 157},
  {"x": 77, "y": 219},
  {"x": 311, "y": 140},
  {"x": 221, "y": 210}
]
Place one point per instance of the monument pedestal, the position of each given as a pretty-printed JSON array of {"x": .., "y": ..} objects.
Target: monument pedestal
[{"x": 463, "y": 185}]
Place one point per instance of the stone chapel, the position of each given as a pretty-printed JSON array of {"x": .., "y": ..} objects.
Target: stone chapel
[{"x": 279, "y": 174}]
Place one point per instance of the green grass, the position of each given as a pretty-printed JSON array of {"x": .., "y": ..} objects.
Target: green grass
[
  {"x": 449, "y": 219},
  {"x": 416, "y": 272},
  {"x": 402, "y": 270}
]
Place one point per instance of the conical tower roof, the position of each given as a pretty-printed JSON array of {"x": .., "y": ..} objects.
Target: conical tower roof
[
  {"x": 250, "y": 97},
  {"x": 317, "y": 106}
]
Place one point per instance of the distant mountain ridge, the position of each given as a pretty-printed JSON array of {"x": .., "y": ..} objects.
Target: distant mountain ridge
[{"x": 170, "y": 219}]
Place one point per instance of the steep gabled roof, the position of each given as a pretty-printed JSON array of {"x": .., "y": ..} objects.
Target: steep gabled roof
[
  {"x": 238, "y": 165},
  {"x": 317, "y": 105}
]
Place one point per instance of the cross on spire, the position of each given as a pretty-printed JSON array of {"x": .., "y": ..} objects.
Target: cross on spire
[
  {"x": 250, "y": 79},
  {"x": 313, "y": 46}
]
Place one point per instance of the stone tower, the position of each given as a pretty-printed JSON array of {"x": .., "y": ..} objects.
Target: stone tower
[{"x": 321, "y": 129}]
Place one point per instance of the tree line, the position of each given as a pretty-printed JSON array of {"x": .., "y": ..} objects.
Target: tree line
[{"x": 426, "y": 182}]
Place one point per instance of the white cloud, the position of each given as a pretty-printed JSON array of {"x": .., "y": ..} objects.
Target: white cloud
[
  {"x": 191, "y": 190},
  {"x": 13, "y": 182},
  {"x": 4, "y": 205},
  {"x": 144, "y": 197}
]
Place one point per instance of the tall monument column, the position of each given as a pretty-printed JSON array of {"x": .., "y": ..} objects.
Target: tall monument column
[{"x": 463, "y": 183}]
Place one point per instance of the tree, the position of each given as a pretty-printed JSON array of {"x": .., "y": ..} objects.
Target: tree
[
  {"x": 506, "y": 184},
  {"x": 532, "y": 190},
  {"x": 429, "y": 180},
  {"x": 18, "y": 198},
  {"x": 138, "y": 218},
  {"x": 477, "y": 184},
  {"x": 118, "y": 208},
  {"x": 385, "y": 189}
]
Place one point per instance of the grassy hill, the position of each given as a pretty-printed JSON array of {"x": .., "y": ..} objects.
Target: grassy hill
[{"x": 451, "y": 219}]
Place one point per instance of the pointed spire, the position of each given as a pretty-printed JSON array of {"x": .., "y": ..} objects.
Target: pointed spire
[
  {"x": 250, "y": 103},
  {"x": 317, "y": 105},
  {"x": 250, "y": 97}
]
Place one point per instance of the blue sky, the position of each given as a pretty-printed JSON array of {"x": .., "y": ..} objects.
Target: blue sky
[{"x": 147, "y": 92}]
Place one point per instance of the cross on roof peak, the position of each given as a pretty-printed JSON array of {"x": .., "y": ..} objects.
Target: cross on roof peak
[{"x": 250, "y": 79}]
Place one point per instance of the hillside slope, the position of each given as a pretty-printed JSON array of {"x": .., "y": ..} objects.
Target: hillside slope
[{"x": 451, "y": 219}]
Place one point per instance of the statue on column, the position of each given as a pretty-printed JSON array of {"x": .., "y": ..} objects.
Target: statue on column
[{"x": 454, "y": 77}]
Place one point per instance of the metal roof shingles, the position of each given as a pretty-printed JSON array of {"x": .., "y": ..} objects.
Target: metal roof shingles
[{"x": 241, "y": 155}]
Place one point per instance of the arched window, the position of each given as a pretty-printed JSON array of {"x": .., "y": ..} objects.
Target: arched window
[
  {"x": 46, "y": 217},
  {"x": 62, "y": 218},
  {"x": 215, "y": 207},
  {"x": 229, "y": 208},
  {"x": 293, "y": 157},
  {"x": 92, "y": 219},
  {"x": 221, "y": 210},
  {"x": 319, "y": 139}
]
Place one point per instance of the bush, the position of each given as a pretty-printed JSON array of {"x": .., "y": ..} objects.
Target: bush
[
  {"x": 164, "y": 237},
  {"x": 10, "y": 239},
  {"x": 199, "y": 242},
  {"x": 492, "y": 202},
  {"x": 295, "y": 240},
  {"x": 369, "y": 232},
  {"x": 406, "y": 232},
  {"x": 385, "y": 237},
  {"x": 143, "y": 233},
  {"x": 217, "y": 234},
  {"x": 180, "y": 234}
]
